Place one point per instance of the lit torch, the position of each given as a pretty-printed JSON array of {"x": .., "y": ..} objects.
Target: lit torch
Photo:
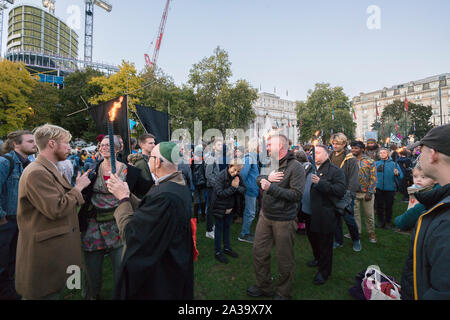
[
  {"x": 387, "y": 141},
  {"x": 112, "y": 116}
]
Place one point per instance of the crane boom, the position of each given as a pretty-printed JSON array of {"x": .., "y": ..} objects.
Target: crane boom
[{"x": 162, "y": 25}]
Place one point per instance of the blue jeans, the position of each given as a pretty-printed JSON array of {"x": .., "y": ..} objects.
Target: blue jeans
[
  {"x": 351, "y": 225},
  {"x": 222, "y": 227},
  {"x": 8, "y": 245},
  {"x": 249, "y": 215}
]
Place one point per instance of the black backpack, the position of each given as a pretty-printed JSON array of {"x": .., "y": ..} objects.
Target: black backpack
[{"x": 11, "y": 164}]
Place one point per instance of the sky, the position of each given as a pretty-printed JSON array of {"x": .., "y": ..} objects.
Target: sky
[{"x": 285, "y": 46}]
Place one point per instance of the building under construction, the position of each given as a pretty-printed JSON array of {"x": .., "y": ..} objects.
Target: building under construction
[{"x": 47, "y": 45}]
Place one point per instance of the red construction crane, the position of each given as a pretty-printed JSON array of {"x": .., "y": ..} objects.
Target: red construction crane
[{"x": 159, "y": 36}]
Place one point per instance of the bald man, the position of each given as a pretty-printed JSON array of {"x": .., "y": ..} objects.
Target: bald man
[{"x": 158, "y": 256}]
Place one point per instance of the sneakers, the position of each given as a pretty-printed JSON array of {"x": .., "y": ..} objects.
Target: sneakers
[
  {"x": 247, "y": 238},
  {"x": 372, "y": 238},
  {"x": 347, "y": 235},
  {"x": 221, "y": 257},
  {"x": 231, "y": 253},
  {"x": 337, "y": 245},
  {"x": 357, "y": 245}
]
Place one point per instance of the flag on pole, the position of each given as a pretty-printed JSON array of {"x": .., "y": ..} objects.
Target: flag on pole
[
  {"x": 301, "y": 122},
  {"x": 354, "y": 113},
  {"x": 406, "y": 103},
  {"x": 376, "y": 108},
  {"x": 132, "y": 124},
  {"x": 289, "y": 123},
  {"x": 332, "y": 113},
  {"x": 396, "y": 126}
]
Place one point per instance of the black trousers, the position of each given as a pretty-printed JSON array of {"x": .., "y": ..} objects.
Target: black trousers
[
  {"x": 384, "y": 201},
  {"x": 9, "y": 233},
  {"x": 322, "y": 246}
]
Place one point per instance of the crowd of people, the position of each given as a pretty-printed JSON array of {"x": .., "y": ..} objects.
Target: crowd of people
[{"x": 65, "y": 208}]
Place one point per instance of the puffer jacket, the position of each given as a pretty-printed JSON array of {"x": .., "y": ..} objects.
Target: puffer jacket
[{"x": 225, "y": 196}]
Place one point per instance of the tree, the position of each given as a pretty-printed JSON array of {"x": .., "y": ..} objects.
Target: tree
[
  {"x": 113, "y": 86},
  {"x": 16, "y": 85},
  {"x": 43, "y": 101},
  {"x": 161, "y": 93},
  {"x": 219, "y": 103},
  {"x": 393, "y": 120},
  {"x": 316, "y": 113},
  {"x": 77, "y": 86}
]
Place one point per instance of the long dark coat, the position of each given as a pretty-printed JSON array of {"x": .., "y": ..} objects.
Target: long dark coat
[{"x": 332, "y": 183}]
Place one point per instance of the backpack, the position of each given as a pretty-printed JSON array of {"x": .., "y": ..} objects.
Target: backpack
[{"x": 11, "y": 164}]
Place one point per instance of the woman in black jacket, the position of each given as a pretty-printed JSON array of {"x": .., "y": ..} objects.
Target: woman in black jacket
[{"x": 228, "y": 194}]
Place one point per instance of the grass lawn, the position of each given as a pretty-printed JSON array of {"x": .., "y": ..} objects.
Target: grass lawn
[{"x": 217, "y": 281}]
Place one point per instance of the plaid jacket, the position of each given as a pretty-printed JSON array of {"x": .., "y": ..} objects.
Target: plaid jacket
[{"x": 367, "y": 176}]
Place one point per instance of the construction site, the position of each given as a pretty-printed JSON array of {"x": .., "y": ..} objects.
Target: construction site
[{"x": 49, "y": 47}]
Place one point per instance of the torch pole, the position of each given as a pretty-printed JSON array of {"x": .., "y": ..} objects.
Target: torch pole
[{"x": 111, "y": 146}]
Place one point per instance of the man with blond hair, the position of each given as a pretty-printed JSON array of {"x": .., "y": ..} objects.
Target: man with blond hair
[
  {"x": 49, "y": 236},
  {"x": 342, "y": 158}
]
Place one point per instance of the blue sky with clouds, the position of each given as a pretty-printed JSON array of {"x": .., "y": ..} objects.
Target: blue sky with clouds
[{"x": 285, "y": 44}]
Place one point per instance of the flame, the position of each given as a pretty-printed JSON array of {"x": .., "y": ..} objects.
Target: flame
[
  {"x": 315, "y": 143},
  {"x": 388, "y": 140},
  {"x": 117, "y": 105},
  {"x": 317, "y": 133},
  {"x": 400, "y": 149}
]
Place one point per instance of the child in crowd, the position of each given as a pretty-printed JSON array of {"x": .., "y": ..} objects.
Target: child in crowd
[
  {"x": 228, "y": 195},
  {"x": 407, "y": 220}
]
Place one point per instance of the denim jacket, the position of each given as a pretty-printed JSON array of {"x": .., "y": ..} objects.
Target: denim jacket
[{"x": 9, "y": 188}]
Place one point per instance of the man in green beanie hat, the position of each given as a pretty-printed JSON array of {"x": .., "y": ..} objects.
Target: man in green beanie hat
[{"x": 158, "y": 255}]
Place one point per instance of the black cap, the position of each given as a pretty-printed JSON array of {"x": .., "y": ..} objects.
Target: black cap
[{"x": 438, "y": 139}]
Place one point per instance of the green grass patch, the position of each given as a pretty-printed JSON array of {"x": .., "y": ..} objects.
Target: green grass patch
[{"x": 216, "y": 281}]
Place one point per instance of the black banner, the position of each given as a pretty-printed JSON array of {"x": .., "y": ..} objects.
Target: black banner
[
  {"x": 121, "y": 126},
  {"x": 155, "y": 122}
]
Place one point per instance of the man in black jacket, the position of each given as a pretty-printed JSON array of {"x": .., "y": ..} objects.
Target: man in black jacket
[
  {"x": 282, "y": 190},
  {"x": 328, "y": 183},
  {"x": 157, "y": 262},
  {"x": 426, "y": 274}
]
